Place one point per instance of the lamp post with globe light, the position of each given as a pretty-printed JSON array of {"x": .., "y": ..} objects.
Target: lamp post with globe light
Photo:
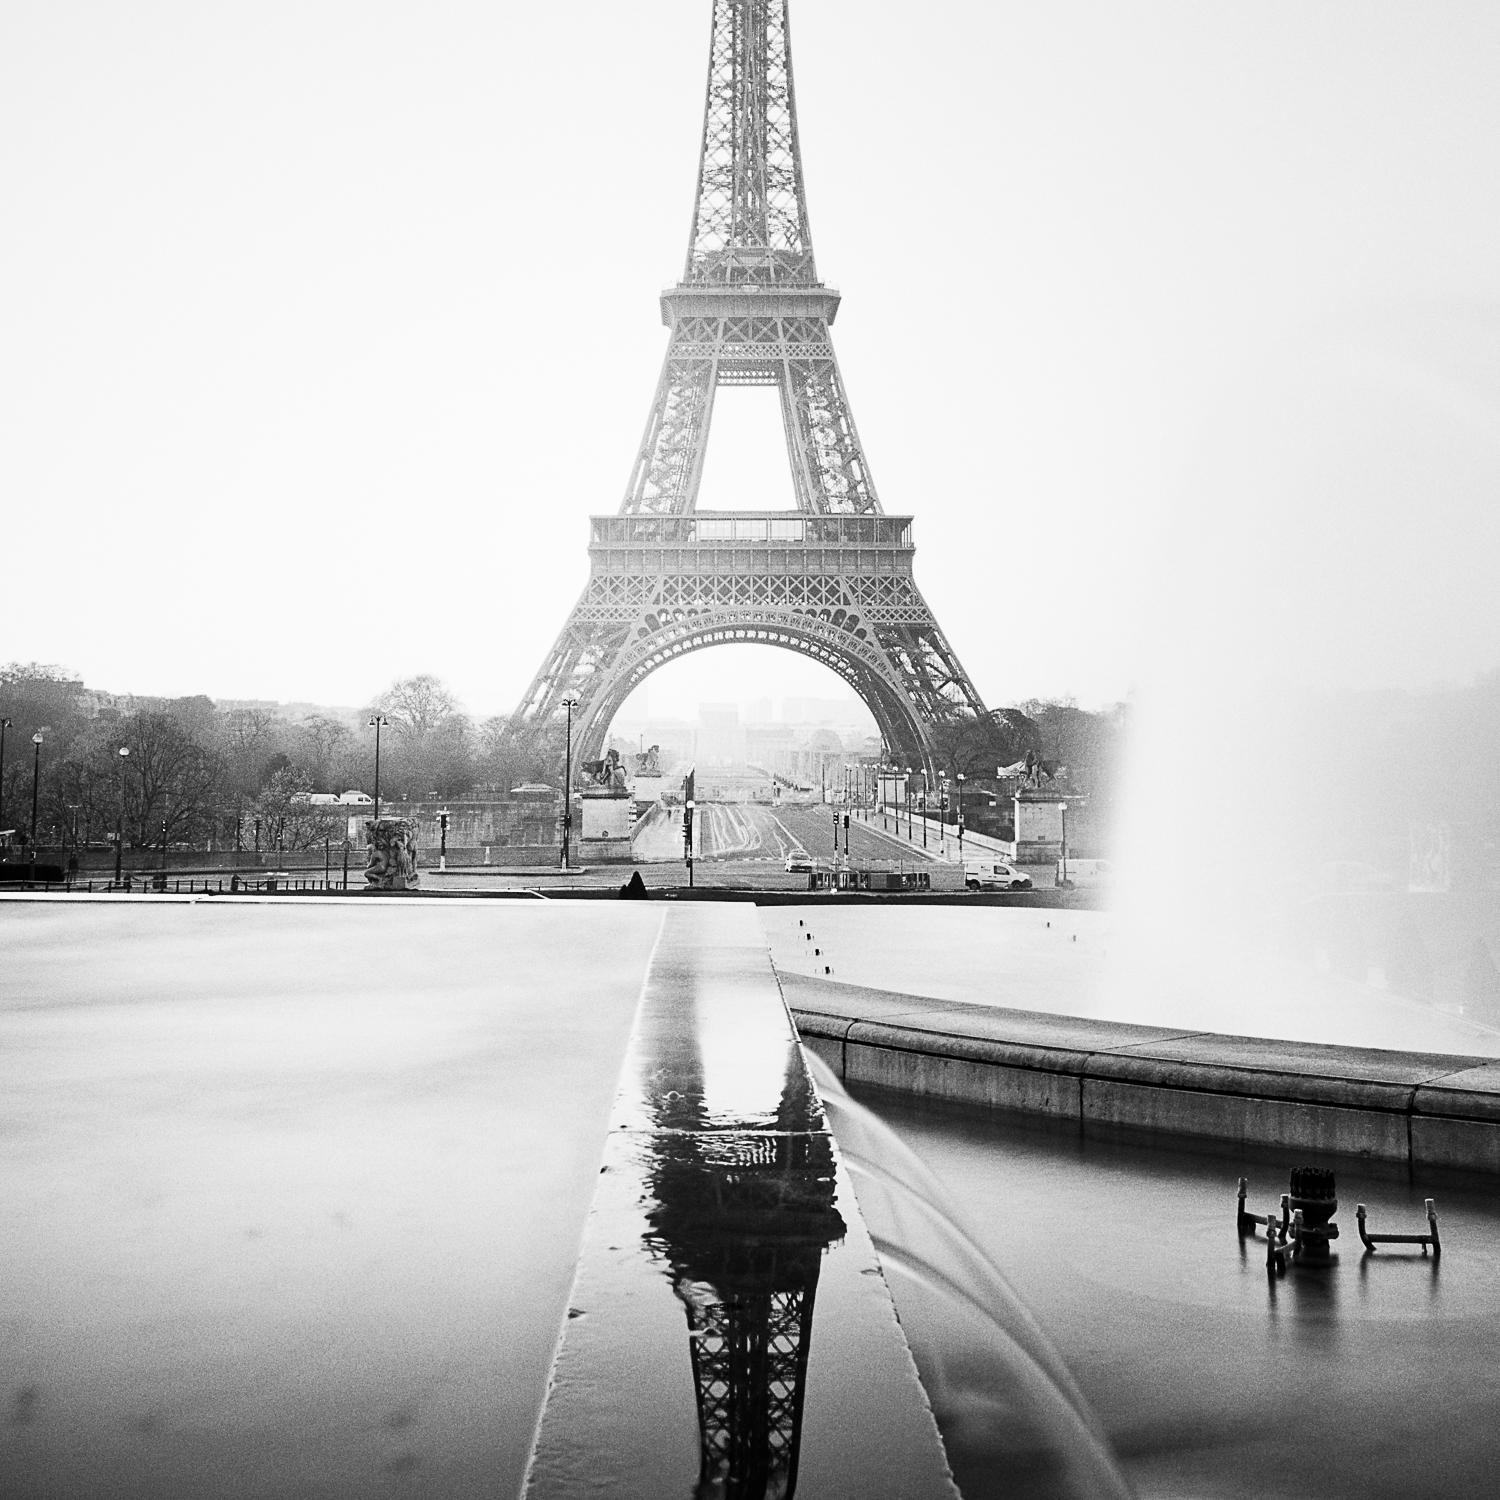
[
  {"x": 377, "y": 722},
  {"x": 124, "y": 754},
  {"x": 36, "y": 776}
]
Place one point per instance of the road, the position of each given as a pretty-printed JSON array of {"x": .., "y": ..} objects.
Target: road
[
  {"x": 739, "y": 846},
  {"x": 756, "y": 835}
]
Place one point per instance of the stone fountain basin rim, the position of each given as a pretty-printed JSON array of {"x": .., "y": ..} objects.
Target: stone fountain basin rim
[{"x": 1428, "y": 1108}]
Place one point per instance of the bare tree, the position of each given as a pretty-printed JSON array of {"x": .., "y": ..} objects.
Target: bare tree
[
  {"x": 418, "y": 705},
  {"x": 248, "y": 737},
  {"x": 512, "y": 752},
  {"x": 322, "y": 745},
  {"x": 86, "y": 786},
  {"x": 432, "y": 748},
  {"x": 979, "y": 744},
  {"x": 288, "y": 820},
  {"x": 171, "y": 779}
]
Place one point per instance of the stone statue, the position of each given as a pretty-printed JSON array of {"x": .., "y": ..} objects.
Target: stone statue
[
  {"x": 392, "y": 861},
  {"x": 609, "y": 772}
]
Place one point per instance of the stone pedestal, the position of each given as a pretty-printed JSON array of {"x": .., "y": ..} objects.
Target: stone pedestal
[
  {"x": 1040, "y": 817},
  {"x": 605, "y": 821},
  {"x": 391, "y": 861}
]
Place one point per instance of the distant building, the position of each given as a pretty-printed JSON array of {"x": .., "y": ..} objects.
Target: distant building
[{"x": 721, "y": 736}]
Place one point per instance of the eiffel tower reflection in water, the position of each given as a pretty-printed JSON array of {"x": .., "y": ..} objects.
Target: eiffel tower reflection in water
[{"x": 742, "y": 1218}]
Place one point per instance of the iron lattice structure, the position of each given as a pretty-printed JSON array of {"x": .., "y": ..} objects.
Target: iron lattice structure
[
  {"x": 832, "y": 579},
  {"x": 743, "y": 1214}
]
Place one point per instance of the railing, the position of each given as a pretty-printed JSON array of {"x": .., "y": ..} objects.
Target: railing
[
  {"x": 771, "y": 528},
  {"x": 135, "y": 883},
  {"x": 867, "y": 878}
]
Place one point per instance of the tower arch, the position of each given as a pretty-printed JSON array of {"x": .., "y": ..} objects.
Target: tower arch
[
  {"x": 831, "y": 579},
  {"x": 660, "y": 643}
]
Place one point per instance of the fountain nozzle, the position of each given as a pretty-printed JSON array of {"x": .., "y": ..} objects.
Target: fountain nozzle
[
  {"x": 1313, "y": 1203},
  {"x": 1303, "y": 1229}
]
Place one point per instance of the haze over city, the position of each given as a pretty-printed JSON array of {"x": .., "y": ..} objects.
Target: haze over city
[{"x": 327, "y": 329}]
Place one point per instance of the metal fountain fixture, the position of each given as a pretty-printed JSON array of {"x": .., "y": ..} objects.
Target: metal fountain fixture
[{"x": 1302, "y": 1232}]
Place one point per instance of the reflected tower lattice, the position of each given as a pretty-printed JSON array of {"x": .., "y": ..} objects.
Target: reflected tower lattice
[
  {"x": 831, "y": 579},
  {"x": 743, "y": 1215}
]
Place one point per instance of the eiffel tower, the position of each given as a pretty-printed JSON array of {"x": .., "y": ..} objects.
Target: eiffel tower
[{"x": 831, "y": 579}]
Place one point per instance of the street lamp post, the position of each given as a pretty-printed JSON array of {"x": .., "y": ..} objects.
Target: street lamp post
[
  {"x": 377, "y": 723},
  {"x": 36, "y": 776},
  {"x": 4, "y": 725},
  {"x": 961, "y": 780},
  {"x": 924, "y": 806},
  {"x": 74, "y": 808},
  {"x": 567, "y": 814},
  {"x": 120, "y": 810},
  {"x": 1062, "y": 807},
  {"x": 442, "y": 818}
]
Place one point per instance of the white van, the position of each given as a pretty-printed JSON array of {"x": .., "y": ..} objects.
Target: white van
[
  {"x": 1076, "y": 873},
  {"x": 990, "y": 874}
]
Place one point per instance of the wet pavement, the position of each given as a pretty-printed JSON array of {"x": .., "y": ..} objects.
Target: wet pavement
[
  {"x": 294, "y": 1194},
  {"x": 730, "y": 1331},
  {"x": 1376, "y": 1378},
  {"x": 293, "y": 1191}
]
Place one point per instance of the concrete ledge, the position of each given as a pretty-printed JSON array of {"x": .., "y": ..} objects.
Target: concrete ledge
[{"x": 1427, "y": 1109}]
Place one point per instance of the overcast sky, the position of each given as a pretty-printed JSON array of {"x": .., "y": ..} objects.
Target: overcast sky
[{"x": 324, "y": 327}]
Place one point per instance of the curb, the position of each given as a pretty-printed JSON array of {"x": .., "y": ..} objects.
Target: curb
[{"x": 1429, "y": 1110}]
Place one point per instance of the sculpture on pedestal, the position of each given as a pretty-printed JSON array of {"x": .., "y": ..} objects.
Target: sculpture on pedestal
[{"x": 392, "y": 861}]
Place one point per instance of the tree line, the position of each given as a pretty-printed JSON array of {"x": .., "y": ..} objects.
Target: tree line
[
  {"x": 203, "y": 776},
  {"x": 199, "y": 775}
]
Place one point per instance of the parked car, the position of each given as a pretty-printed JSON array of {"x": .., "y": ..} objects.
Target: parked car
[
  {"x": 994, "y": 875},
  {"x": 800, "y": 862}
]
